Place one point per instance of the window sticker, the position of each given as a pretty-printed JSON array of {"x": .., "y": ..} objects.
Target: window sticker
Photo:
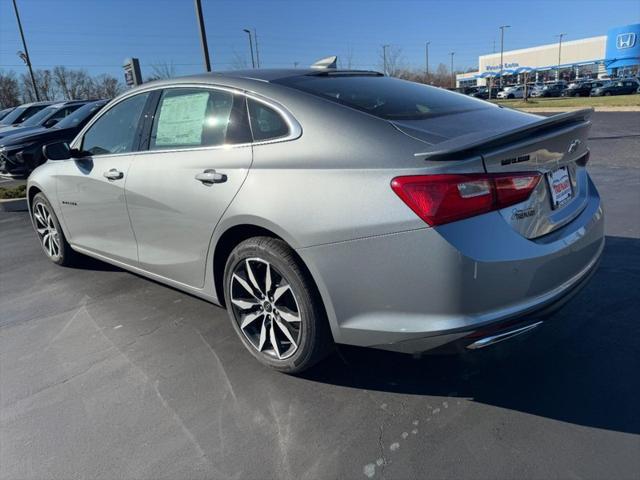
[{"x": 181, "y": 120}]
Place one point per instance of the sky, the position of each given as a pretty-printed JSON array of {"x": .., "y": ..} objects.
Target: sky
[{"x": 97, "y": 35}]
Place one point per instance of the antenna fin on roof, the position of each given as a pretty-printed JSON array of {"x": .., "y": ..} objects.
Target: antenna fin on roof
[{"x": 325, "y": 63}]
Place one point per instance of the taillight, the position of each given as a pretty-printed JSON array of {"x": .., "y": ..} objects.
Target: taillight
[{"x": 439, "y": 199}]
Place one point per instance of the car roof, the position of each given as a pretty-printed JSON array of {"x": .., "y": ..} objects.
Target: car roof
[{"x": 266, "y": 75}]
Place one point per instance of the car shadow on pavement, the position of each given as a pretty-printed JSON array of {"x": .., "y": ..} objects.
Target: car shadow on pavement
[
  {"x": 90, "y": 263},
  {"x": 580, "y": 367}
]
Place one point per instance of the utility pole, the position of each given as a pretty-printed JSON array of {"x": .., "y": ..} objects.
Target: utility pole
[
  {"x": 384, "y": 57},
  {"x": 426, "y": 62},
  {"x": 559, "y": 53},
  {"x": 253, "y": 60},
  {"x": 502, "y": 27},
  {"x": 26, "y": 58},
  {"x": 453, "y": 75},
  {"x": 203, "y": 36},
  {"x": 255, "y": 39}
]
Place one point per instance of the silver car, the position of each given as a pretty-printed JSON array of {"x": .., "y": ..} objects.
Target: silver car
[{"x": 323, "y": 206}]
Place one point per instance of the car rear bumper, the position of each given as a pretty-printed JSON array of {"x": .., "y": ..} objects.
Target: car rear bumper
[{"x": 418, "y": 290}]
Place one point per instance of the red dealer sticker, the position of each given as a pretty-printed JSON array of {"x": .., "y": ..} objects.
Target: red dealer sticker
[{"x": 560, "y": 186}]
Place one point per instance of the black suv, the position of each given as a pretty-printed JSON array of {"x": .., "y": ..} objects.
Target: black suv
[
  {"x": 616, "y": 87},
  {"x": 581, "y": 89},
  {"x": 20, "y": 154},
  {"x": 483, "y": 93},
  {"x": 21, "y": 113}
]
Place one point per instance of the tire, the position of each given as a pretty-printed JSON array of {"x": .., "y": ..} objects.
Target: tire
[
  {"x": 51, "y": 237},
  {"x": 261, "y": 315},
  {"x": 511, "y": 96},
  {"x": 607, "y": 94}
]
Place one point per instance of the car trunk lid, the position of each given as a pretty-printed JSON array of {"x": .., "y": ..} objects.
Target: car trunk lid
[{"x": 555, "y": 146}]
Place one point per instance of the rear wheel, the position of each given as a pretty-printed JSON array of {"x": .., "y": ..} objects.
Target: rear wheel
[
  {"x": 274, "y": 305},
  {"x": 51, "y": 236}
]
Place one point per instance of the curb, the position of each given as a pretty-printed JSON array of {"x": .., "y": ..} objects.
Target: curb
[
  {"x": 573, "y": 109},
  {"x": 14, "y": 205}
]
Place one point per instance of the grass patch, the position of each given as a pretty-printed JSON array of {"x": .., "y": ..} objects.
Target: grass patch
[
  {"x": 13, "y": 192},
  {"x": 586, "y": 102}
]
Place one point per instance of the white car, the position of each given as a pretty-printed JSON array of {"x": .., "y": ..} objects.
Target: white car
[{"x": 512, "y": 92}]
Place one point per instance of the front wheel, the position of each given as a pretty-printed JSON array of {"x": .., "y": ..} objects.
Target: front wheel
[
  {"x": 51, "y": 236},
  {"x": 607, "y": 94},
  {"x": 274, "y": 305}
]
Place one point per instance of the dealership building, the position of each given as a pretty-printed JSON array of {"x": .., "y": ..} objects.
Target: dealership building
[{"x": 615, "y": 54}]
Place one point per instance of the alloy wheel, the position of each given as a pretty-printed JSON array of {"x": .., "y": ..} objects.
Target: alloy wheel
[
  {"x": 47, "y": 231},
  {"x": 265, "y": 308}
]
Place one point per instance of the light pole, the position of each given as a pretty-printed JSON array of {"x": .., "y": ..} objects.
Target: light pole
[
  {"x": 26, "y": 57},
  {"x": 253, "y": 60},
  {"x": 384, "y": 58},
  {"x": 426, "y": 62},
  {"x": 453, "y": 75},
  {"x": 502, "y": 27},
  {"x": 559, "y": 53},
  {"x": 203, "y": 36},
  {"x": 255, "y": 39}
]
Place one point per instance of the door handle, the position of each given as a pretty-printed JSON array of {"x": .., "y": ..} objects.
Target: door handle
[
  {"x": 210, "y": 176},
  {"x": 113, "y": 174}
]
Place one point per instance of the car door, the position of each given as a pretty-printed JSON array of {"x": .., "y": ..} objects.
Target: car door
[
  {"x": 91, "y": 189},
  {"x": 198, "y": 154}
]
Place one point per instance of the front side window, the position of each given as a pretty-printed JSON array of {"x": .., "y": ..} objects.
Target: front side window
[
  {"x": 117, "y": 130},
  {"x": 40, "y": 117},
  {"x": 64, "y": 112},
  {"x": 193, "y": 117},
  {"x": 266, "y": 123}
]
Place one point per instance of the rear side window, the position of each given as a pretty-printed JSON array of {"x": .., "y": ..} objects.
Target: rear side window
[
  {"x": 117, "y": 131},
  {"x": 193, "y": 117},
  {"x": 266, "y": 123},
  {"x": 385, "y": 97}
]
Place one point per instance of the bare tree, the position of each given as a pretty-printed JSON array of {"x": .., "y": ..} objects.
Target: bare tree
[
  {"x": 394, "y": 60},
  {"x": 9, "y": 90},
  {"x": 346, "y": 61},
  {"x": 44, "y": 82},
  {"x": 240, "y": 61},
  {"x": 105, "y": 86},
  {"x": 72, "y": 84},
  {"x": 162, "y": 71}
]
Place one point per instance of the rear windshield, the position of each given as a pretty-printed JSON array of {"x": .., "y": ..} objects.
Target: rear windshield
[
  {"x": 20, "y": 114},
  {"x": 74, "y": 119},
  {"x": 385, "y": 97}
]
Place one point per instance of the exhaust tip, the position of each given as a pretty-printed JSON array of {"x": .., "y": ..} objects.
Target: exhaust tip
[{"x": 499, "y": 337}]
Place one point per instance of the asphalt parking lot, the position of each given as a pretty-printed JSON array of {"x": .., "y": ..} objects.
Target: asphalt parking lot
[{"x": 104, "y": 374}]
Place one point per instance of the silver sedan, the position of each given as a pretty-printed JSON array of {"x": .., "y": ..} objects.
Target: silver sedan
[{"x": 323, "y": 206}]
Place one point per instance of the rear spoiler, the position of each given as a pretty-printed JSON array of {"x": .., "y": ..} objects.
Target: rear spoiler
[{"x": 457, "y": 148}]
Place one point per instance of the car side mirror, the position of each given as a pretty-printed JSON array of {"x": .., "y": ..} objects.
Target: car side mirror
[
  {"x": 50, "y": 123},
  {"x": 57, "y": 151}
]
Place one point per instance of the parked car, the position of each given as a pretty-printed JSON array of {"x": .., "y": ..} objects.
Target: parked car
[
  {"x": 20, "y": 154},
  {"x": 483, "y": 93},
  {"x": 581, "y": 89},
  {"x": 516, "y": 91},
  {"x": 550, "y": 90},
  {"x": 47, "y": 117},
  {"x": 616, "y": 87},
  {"x": 22, "y": 113},
  {"x": 6, "y": 111},
  {"x": 324, "y": 206}
]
